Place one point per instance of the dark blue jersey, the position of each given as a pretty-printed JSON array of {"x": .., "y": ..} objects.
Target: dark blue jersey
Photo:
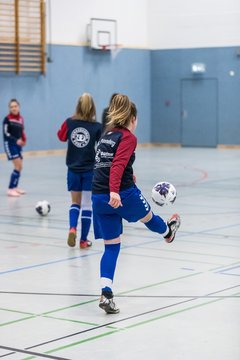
[
  {"x": 13, "y": 128},
  {"x": 115, "y": 156},
  {"x": 82, "y": 137}
]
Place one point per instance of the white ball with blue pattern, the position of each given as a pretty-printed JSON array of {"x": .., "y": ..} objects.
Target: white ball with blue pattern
[{"x": 164, "y": 193}]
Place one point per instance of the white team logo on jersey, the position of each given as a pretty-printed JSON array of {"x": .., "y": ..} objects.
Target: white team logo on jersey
[{"x": 80, "y": 137}]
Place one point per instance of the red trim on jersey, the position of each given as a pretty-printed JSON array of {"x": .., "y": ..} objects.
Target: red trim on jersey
[
  {"x": 24, "y": 138},
  {"x": 122, "y": 156},
  {"x": 18, "y": 119},
  {"x": 62, "y": 132}
]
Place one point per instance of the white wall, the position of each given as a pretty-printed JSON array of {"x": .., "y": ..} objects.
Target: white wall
[
  {"x": 69, "y": 19},
  {"x": 155, "y": 24},
  {"x": 191, "y": 24}
]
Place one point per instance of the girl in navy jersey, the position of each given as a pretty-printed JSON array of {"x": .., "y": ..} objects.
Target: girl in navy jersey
[
  {"x": 14, "y": 139},
  {"x": 116, "y": 196},
  {"x": 82, "y": 132}
]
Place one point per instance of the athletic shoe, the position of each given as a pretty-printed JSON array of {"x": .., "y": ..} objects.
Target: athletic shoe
[
  {"x": 12, "y": 193},
  {"x": 72, "y": 237},
  {"x": 108, "y": 305},
  {"x": 20, "y": 191},
  {"x": 173, "y": 224},
  {"x": 84, "y": 244}
]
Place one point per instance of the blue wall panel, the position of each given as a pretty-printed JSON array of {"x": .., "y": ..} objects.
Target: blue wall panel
[
  {"x": 169, "y": 67},
  {"x": 47, "y": 100},
  {"x": 152, "y": 79}
]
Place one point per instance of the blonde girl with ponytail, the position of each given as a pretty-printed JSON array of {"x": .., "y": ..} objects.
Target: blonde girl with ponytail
[
  {"x": 115, "y": 195},
  {"x": 81, "y": 132}
]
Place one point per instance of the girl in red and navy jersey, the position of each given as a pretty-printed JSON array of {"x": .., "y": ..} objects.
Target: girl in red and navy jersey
[
  {"x": 82, "y": 133},
  {"x": 14, "y": 138},
  {"x": 116, "y": 196}
]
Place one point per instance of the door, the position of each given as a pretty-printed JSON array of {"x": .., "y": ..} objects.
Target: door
[{"x": 199, "y": 112}]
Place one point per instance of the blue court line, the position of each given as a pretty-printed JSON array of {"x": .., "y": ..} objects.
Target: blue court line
[
  {"x": 226, "y": 271},
  {"x": 49, "y": 263},
  {"x": 67, "y": 259},
  {"x": 100, "y": 252},
  {"x": 231, "y": 268},
  {"x": 223, "y": 273}
]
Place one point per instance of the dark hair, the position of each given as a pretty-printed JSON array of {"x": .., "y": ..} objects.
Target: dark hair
[
  {"x": 112, "y": 97},
  {"x": 13, "y": 100},
  {"x": 133, "y": 110}
]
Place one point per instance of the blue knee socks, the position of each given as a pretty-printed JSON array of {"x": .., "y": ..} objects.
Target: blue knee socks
[
  {"x": 14, "y": 179},
  {"x": 73, "y": 215},
  {"x": 86, "y": 223},
  {"x": 157, "y": 224},
  {"x": 108, "y": 265}
]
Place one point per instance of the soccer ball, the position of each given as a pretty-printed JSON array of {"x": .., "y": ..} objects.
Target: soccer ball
[
  {"x": 164, "y": 193},
  {"x": 43, "y": 207}
]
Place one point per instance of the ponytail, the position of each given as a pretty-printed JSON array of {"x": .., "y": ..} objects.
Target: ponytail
[
  {"x": 85, "y": 109},
  {"x": 120, "y": 112}
]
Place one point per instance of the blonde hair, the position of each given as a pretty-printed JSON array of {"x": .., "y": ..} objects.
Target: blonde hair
[
  {"x": 85, "y": 109},
  {"x": 120, "y": 112}
]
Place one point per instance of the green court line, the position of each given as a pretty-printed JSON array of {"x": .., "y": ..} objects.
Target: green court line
[
  {"x": 94, "y": 300},
  {"x": 16, "y": 321},
  {"x": 169, "y": 258},
  {"x": 17, "y": 311},
  {"x": 76, "y": 343},
  {"x": 128, "y": 327},
  {"x": 159, "y": 283},
  {"x": 78, "y": 321}
]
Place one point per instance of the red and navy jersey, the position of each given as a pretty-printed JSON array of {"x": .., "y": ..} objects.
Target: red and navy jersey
[
  {"x": 13, "y": 128},
  {"x": 82, "y": 137},
  {"x": 115, "y": 156}
]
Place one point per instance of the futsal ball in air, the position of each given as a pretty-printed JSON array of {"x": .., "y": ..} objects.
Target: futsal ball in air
[
  {"x": 164, "y": 193},
  {"x": 43, "y": 207}
]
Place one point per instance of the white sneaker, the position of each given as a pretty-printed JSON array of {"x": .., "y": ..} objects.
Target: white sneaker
[
  {"x": 108, "y": 305},
  {"x": 12, "y": 193},
  {"x": 173, "y": 223}
]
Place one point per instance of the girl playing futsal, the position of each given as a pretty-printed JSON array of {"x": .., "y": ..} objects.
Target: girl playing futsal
[
  {"x": 14, "y": 139},
  {"x": 82, "y": 132},
  {"x": 115, "y": 195}
]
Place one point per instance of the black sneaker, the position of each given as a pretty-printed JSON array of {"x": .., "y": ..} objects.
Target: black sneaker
[
  {"x": 108, "y": 305},
  {"x": 173, "y": 223}
]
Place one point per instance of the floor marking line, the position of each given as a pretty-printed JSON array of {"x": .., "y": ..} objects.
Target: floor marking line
[
  {"x": 32, "y": 353},
  {"x": 133, "y": 325},
  {"x": 97, "y": 296},
  {"x": 168, "y": 258},
  {"x": 91, "y": 301},
  {"x": 131, "y": 317},
  {"x": 171, "y": 251},
  {"x": 49, "y": 263}
]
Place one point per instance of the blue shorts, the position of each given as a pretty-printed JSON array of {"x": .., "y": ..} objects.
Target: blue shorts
[
  {"x": 79, "y": 181},
  {"x": 13, "y": 151},
  {"x": 107, "y": 221}
]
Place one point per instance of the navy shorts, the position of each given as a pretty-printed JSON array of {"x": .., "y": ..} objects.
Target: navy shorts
[
  {"x": 13, "y": 151},
  {"x": 107, "y": 221},
  {"x": 79, "y": 181}
]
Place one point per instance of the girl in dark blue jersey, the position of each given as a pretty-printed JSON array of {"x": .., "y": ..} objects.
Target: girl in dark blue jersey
[
  {"x": 82, "y": 133},
  {"x": 115, "y": 195},
  {"x": 14, "y": 139}
]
